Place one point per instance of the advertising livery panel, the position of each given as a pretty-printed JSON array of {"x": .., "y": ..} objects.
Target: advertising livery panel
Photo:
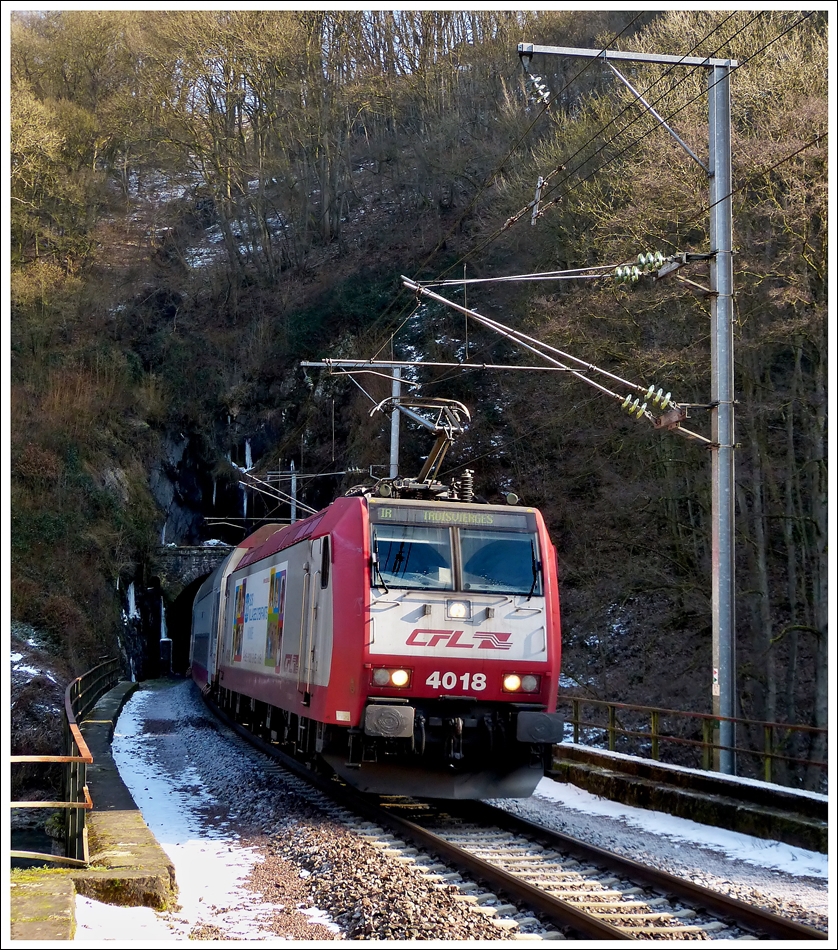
[{"x": 258, "y": 619}]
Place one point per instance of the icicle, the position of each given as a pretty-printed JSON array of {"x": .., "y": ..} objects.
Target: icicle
[
  {"x": 248, "y": 457},
  {"x": 133, "y": 612},
  {"x": 164, "y": 633},
  {"x": 214, "y": 487},
  {"x": 244, "y": 501}
]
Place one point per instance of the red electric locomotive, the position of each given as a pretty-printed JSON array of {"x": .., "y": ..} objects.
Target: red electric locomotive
[
  {"x": 405, "y": 637},
  {"x": 412, "y": 645}
]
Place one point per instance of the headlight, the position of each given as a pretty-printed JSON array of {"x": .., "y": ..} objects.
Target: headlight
[
  {"x": 458, "y": 610},
  {"x": 381, "y": 677},
  {"x": 400, "y": 677},
  {"x": 391, "y": 677},
  {"x": 528, "y": 683}
]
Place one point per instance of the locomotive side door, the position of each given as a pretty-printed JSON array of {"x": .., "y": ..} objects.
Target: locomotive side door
[
  {"x": 315, "y": 626},
  {"x": 212, "y": 671},
  {"x": 308, "y": 620}
]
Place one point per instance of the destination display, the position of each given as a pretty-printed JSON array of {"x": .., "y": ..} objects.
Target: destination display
[{"x": 467, "y": 518}]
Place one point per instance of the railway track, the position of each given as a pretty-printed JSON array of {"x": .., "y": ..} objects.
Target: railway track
[
  {"x": 589, "y": 891},
  {"x": 534, "y": 880}
]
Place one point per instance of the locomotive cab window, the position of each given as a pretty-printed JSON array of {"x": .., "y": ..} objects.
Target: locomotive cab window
[
  {"x": 325, "y": 563},
  {"x": 411, "y": 556},
  {"x": 499, "y": 562}
]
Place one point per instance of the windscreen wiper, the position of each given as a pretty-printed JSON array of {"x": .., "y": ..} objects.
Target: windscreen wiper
[
  {"x": 534, "y": 570},
  {"x": 375, "y": 561}
]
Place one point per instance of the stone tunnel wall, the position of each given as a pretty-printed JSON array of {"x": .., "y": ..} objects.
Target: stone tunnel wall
[{"x": 178, "y": 567}]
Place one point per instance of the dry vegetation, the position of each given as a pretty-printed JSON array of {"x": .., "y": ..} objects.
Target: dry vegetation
[{"x": 186, "y": 226}]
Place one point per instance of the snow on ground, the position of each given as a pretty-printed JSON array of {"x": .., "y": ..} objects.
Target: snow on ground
[
  {"x": 20, "y": 667},
  {"x": 28, "y": 655},
  {"x": 773, "y": 855},
  {"x": 211, "y": 864}
]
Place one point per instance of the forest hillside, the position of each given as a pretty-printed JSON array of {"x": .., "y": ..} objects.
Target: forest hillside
[{"x": 202, "y": 200}]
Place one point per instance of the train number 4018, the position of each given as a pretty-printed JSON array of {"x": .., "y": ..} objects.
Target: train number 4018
[{"x": 469, "y": 682}]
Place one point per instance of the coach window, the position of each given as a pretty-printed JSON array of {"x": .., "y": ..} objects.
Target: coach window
[
  {"x": 413, "y": 556},
  {"x": 325, "y": 562},
  {"x": 500, "y": 562}
]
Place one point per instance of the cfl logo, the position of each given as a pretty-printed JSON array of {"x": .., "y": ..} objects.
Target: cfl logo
[{"x": 453, "y": 640}]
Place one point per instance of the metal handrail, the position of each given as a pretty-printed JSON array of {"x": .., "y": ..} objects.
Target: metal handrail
[
  {"x": 79, "y": 698},
  {"x": 613, "y": 727}
]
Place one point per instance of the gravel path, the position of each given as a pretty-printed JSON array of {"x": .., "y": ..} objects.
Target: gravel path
[{"x": 257, "y": 857}]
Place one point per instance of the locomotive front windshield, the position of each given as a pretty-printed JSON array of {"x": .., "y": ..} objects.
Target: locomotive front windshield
[
  {"x": 473, "y": 559},
  {"x": 502, "y": 562},
  {"x": 414, "y": 556}
]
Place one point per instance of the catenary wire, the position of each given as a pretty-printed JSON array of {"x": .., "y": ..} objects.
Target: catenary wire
[
  {"x": 488, "y": 182},
  {"x": 517, "y": 216},
  {"x": 616, "y": 156},
  {"x": 762, "y": 49},
  {"x": 497, "y": 233},
  {"x": 611, "y": 160},
  {"x": 657, "y": 100},
  {"x": 444, "y": 377},
  {"x": 301, "y": 428},
  {"x": 668, "y": 118},
  {"x": 578, "y": 273}
]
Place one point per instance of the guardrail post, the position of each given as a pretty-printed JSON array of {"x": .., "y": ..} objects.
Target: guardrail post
[
  {"x": 768, "y": 749},
  {"x": 74, "y": 821},
  {"x": 612, "y": 727},
  {"x": 576, "y": 721},
  {"x": 75, "y": 817},
  {"x": 67, "y": 784},
  {"x": 708, "y": 729},
  {"x": 655, "y": 727}
]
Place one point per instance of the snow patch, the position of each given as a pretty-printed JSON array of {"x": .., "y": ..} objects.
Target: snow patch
[{"x": 774, "y": 855}]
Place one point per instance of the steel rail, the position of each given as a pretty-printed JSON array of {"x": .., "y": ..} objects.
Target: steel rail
[
  {"x": 560, "y": 912},
  {"x": 753, "y": 917},
  {"x": 557, "y": 910}
]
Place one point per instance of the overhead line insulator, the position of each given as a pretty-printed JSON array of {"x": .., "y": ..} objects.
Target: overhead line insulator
[
  {"x": 631, "y": 273},
  {"x": 658, "y": 398},
  {"x": 634, "y": 408}
]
